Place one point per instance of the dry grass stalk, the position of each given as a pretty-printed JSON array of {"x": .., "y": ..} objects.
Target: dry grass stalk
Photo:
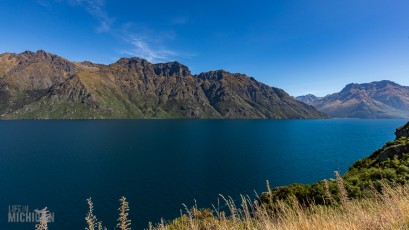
[
  {"x": 91, "y": 218},
  {"x": 44, "y": 216},
  {"x": 343, "y": 194},
  {"x": 123, "y": 222},
  {"x": 327, "y": 193}
]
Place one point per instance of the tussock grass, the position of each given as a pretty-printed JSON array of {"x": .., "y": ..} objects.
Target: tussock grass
[{"x": 388, "y": 209}]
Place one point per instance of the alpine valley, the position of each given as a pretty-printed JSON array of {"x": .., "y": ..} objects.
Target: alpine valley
[
  {"x": 40, "y": 85},
  {"x": 376, "y": 100}
]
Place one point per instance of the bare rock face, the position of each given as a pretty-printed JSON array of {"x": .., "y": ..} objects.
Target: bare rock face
[
  {"x": 41, "y": 85},
  {"x": 402, "y": 131}
]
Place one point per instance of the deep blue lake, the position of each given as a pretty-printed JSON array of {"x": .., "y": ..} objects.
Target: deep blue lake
[{"x": 160, "y": 164}]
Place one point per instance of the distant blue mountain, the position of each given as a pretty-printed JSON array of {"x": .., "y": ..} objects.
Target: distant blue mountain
[{"x": 380, "y": 99}]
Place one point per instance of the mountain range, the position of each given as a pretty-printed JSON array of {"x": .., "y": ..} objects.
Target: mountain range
[
  {"x": 41, "y": 85},
  {"x": 379, "y": 99}
]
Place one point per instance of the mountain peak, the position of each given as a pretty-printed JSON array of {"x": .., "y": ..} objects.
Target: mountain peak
[
  {"x": 171, "y": 68},
  {"x": 220, "y": 74},
  {"x": 350, "y": 87},
  {"x": 38, "y": 52},
  {"x": 376, "y": 84},
  {"x": 378, "y": 99},
  {"x": 307, "y": 99},
  {"x": 311, "y": 95},
  {"x": 28, "y": 52},
  {"x": 213, "y": 75},
  {"x": 130, "y": 60},
  {"x": 384, "y": 83},
  {"x": 41, "y": 54}
]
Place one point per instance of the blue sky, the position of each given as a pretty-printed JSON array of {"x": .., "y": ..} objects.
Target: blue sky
[{"x": 311, "y": 46}]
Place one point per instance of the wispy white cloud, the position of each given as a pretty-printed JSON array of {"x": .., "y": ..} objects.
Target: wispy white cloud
[
  {"x": 143, "y": 44},
  {"x": 97, "y": 9},
  {"x": 142, "y": 41},
  {"x": 142, "y": 48}
]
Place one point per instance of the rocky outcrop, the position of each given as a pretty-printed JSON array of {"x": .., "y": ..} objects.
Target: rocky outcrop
[
  {"x": 397, "y": 148},
  {"x": 42, "y": 85},
  {"x": 402, "y": 131}
]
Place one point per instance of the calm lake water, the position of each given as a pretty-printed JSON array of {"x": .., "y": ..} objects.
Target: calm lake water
[{"x": 160, "y": 164}]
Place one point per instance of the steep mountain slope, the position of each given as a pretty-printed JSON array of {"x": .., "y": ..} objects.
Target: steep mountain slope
[
  {"x": 41, "y": 85},
  {"x": 383, "y": 99},
  {"x": 235, "y": 95}
]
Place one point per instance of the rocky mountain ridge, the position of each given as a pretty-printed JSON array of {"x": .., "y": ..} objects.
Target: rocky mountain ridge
[{"x": 40, "y": 85}]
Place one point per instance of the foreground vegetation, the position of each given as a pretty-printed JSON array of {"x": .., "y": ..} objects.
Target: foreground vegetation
[{"x": 386, "y": 210}]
